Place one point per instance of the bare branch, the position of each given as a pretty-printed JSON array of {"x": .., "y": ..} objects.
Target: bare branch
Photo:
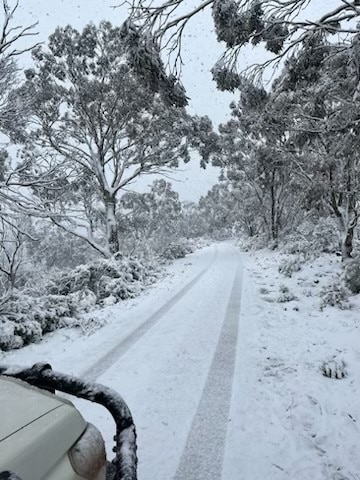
[{"x": 9, "y": 35}]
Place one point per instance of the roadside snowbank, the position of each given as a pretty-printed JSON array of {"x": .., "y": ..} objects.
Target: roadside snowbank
[
  {"x": 25, "y": 315},
  {"x": 288, "y": 420}
]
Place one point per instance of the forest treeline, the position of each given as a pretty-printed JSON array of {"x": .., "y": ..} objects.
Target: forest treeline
[{"x": 97, "y": 110}]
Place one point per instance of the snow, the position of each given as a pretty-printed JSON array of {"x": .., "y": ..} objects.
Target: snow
[
  {"x": 287, "y": 420},
  {"x": 284, "y": 418}
]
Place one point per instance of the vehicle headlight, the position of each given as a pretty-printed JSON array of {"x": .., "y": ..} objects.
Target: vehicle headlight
[{"x": 87, "y": 456}]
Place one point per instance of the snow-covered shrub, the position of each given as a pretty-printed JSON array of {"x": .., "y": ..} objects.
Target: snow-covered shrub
[
  {"x": 28, "y": 316},
  {"x": 8, "y": 339},
  {"x": 257, "y": 242},
  {"x": 288, "y": 266},
  {"x": 29, "y": 331},
  {"x": 46, "y": 310},
  {"x": 120, "y": 289},
  {"x": 312, "y": 237},
  {"x": 285, "y": 295},
  {"x": 84, "y": 300},
  {"x": 88, "y": 324},
  {"x": 177, "y": 250},
  {"x": 120, "y": 277},
  {"x": 325, "y": 236},
  {"x": 352, "y": 275},
  {"x": 273, "y": 245},
  {"x": 295, "y": 245},
  {"x": 334, "y": 369},
  {"x": 335, "y": 295},
  {"x": 25, "y": 315}
]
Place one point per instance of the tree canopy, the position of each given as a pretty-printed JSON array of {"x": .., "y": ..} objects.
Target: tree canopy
[
  {"x": 292, "y": 151},
  {"x": 97, "y": 128},
  {"x": 281, "y": 27}
]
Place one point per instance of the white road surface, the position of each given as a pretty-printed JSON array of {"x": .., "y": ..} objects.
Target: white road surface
[
  {"x": 223, "y": 378},
  {"x": 172, "y": 357}
]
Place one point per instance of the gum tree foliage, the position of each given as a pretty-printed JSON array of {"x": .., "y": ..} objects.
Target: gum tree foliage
[
  {"x": 274, "y": 24},
  {"x": 243, "y": 203},
  {"x": 253, "y": 150},
  {"x": 322, "y": 87},
  {"x": 295, "y": 147},
  {"x": 192, "y": 223},
  {"x": 12, "y": 108},
  {"x": 98, "y": 128},
  {"x": 14, "y": 112},
  {"x": 151, "y": 220},
  {"x": 219, "y": 210},
  {"x": 143, "y": 56},
  {"x": 56, "y": 249}
]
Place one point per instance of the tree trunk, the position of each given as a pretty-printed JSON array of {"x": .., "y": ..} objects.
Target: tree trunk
[
  {"x": 347, "y": 244},
  {"x": 111, "y": 225},
  {"x": 274, "y": 216},
  {"x": 346, "y": 237},
  {"x": 347, "y": 217}
]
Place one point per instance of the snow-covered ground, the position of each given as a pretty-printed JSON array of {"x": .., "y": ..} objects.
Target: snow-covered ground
[
  {"x": 223, "y": 380},
  {"x": 288, "y": 421}
]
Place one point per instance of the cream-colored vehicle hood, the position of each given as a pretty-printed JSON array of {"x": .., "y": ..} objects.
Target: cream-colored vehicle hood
[
  {"x": 21, "y": 404},
  {"x": 36, "y": 429}
]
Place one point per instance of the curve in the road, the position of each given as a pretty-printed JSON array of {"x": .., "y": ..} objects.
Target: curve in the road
[
  {"x": 116, "y": 352},
  {"x": 203, "y": 455}
]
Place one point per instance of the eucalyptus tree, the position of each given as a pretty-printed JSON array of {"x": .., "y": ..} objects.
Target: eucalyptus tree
[
  {"x": 192, "y": 223},
  {"x": 15, "y": 239},
  {"x": 279, "y": 26},
  {"x": 253, "y": 150},
  {"x": 101, "y": 127},
  {"x": 15, "y": 40},
  {"x": 219, "y": 211},
  {"x": 151, "y": 220},
  {"x": 12, "y": 108},
  {"x": 296, "y": 145},
  {"x": 323, "y": 85}
]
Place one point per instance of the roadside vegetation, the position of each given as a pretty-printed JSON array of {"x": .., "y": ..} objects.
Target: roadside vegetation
[{"x": 98, "y": 109}]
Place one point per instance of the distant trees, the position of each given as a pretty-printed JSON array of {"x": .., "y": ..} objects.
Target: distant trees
[
  {"x": 292, "y": 150},
  {"x": 252, "y": 149},
  {"x": 219, "y": 210},
  {"x": 14, "y": 238},
  {"x": 151, "y": 219}
]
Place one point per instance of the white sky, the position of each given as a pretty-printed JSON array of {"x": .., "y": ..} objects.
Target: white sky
[{"x": 200, "y": 52}]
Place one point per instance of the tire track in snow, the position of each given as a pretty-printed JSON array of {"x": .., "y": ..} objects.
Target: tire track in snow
[
  {"x": 119, "y": 350},
  {"x": 203, "y": 456}
]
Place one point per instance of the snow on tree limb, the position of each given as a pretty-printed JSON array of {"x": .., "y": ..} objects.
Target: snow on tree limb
[
  {"x": 100, "y": 126},
  {"x": 272, "y": 23}
]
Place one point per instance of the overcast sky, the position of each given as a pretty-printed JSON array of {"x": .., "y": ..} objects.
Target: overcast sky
[
  {"x": 200, "y": 53},
  {"x": 200, "y": 48}
]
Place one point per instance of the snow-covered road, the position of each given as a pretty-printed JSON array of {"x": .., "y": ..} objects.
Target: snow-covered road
[
  {"x": 204, "y": 450},
  {"x": 172, "y": 356},
  {"x": 222, "y": 376}
]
